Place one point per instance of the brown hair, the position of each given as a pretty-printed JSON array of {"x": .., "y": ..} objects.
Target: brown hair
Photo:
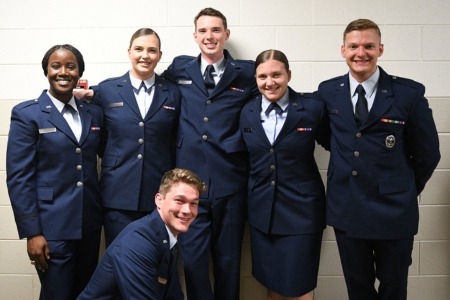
[
  {"x": 272, "y": 54},
  {"x": 362, "y": 24},
  {"x": 181, "y": 175},
  {"x": 213, "y": 13},
  {"x": 143, "y": 32}
]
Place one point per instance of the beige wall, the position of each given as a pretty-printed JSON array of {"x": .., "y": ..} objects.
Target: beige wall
[{"x": 417, "y": 42}]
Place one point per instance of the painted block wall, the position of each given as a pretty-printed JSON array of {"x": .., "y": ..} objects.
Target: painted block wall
[{"x": 416, "y": 38}]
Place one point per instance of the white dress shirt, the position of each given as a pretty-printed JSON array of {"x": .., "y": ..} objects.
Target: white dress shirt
[
  {"x": 273, "y": 123},
  {"x": 73, "y": 120},
  {"x": 370, "y": 87},
  {"x": 143, "y": 99}
]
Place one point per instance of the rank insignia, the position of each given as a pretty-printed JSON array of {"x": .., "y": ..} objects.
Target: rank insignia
[{"x": 390, "y": 141}]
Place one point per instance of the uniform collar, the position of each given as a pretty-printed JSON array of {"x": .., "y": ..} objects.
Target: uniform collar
[
  {"x": 136, "y": 83},
  {"x": 370, "y": 85},
  {"x": 172, "y": 238},
  {"x": 60, "y": 105}
]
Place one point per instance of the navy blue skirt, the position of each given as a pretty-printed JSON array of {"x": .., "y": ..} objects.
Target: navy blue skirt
[{"x": 286, "y": 264}]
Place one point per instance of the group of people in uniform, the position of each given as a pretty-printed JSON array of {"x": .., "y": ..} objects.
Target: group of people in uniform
[{"x": 242, "y": 142}]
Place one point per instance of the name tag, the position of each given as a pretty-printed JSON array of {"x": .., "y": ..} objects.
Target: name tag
[
  {"x": 333, "y": 111},
  {"x": 185, "y": 82},
  {"x": 46, "y": 130},
  {"x": 117, "y": 104},
  {"x": 162, "y": 280}
]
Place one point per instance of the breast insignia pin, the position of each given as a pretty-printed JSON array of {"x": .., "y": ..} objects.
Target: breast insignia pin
[{"x": 390, "y": 141}]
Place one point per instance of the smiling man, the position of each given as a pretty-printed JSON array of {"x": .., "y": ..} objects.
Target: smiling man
[
  {"x": 214, "y": 87},
  {"x": 384, "y": 148},
  {"x": 141, "y": 262}
]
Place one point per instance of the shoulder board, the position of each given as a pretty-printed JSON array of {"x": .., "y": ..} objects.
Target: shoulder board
[
  {"x": 310, "y": 95},
  {"x": 245, "y": 61},
  {"x": 406, "y": 81},
  {"x": 110, "y": 79},
  {"x": 184, "y": 57},
  {"x": 334, "y": 78},
  {"x": 27, "y": 103}
]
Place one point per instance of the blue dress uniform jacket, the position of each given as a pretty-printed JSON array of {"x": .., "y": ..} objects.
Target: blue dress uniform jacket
[
  {"x": 377, "y": 171},
  {"x": 210, "y": 144},
  {"x": 209, "y": 141},
  {"x": 285, "y": 191},
  {"x": 138, "y": 151},
  {"x": 52, "y": 178},
  {"x": 137, "y": 265}
]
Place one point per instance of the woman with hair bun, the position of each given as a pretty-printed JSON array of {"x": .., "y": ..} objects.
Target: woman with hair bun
[
  {"x": 141, "y": 117},
  {"x": 51, "y": 167},
  {"x": 286, "y": 196}
]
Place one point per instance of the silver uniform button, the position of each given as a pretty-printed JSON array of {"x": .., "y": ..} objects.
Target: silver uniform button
[
  {"x": 272, "y": 167},
  {"x": 205, "y": 137},
  {"x": 208, "y": 102},
  {"x": 356, "y": 153},
  {"x": 78, "y": 150},
  {"x": 205, "y": 119},
  {"x": 358, "y": 134},
  {"x": 79, "y": 168},
  {"x": 272, "y": 183},
  {"x": 141, "y": 141},
  {"x": 79, "y": 184},
  {"x": 139, "y": 156},
  {"x": 354, "y": 173},
  {"x": 141, "y": 124},
  {"x": 271, "y": 151}
]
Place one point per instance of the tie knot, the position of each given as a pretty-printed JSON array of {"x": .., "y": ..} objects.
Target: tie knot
[
  {"x": 210, "y": 69},
  {"x": 360, "y": 89},
  {"x": 69, "y": 108},
  {"x": 274, "y": 106},
  {"x": 137, "y": 90}
]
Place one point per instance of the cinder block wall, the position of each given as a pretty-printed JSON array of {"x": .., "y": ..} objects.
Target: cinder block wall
[{"x": 415, "y": 34}]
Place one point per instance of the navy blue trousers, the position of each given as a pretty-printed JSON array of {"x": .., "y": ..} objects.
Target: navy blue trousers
[
  {"x": 364, "y": 260},
  {"x": 70, "y": 267},
  {"x": 218, "y": 230}
]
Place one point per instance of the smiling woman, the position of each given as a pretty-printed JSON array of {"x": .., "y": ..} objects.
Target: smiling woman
[
  {"x": 141, "y": 112},
  {"x": 63, "y": 65},
  {"x": 286, "y": 208},
  {"x": 57, "y": 207}
]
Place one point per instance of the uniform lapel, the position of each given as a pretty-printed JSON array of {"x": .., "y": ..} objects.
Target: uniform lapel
[
  {"x": 230, "y": 74},
  {"x": 159, "y": 97},
  {"x": 125, "y": 90},
  {"x": 342, "y": 101},
  {"x": 293, "y": 116},
  {"x": 193, "y": 69},
  {"x": 383, "y": 100},
  {"x": 255, "y": 115},
  {"x": 55, "y": 117},
  {"x": 85, "y": 118}
]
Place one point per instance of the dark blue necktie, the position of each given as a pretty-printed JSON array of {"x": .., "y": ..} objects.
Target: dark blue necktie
[
  {"x": 173, "y": 257},
  {"x": 137, "y": 90},
  {"x": 274, "y": 106},
  {"x": 361, "y": 110},
  {"x": 209, "y": 79}
]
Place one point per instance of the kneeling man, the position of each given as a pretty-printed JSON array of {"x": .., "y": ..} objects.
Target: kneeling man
[{"x": 141, "y": 263}]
